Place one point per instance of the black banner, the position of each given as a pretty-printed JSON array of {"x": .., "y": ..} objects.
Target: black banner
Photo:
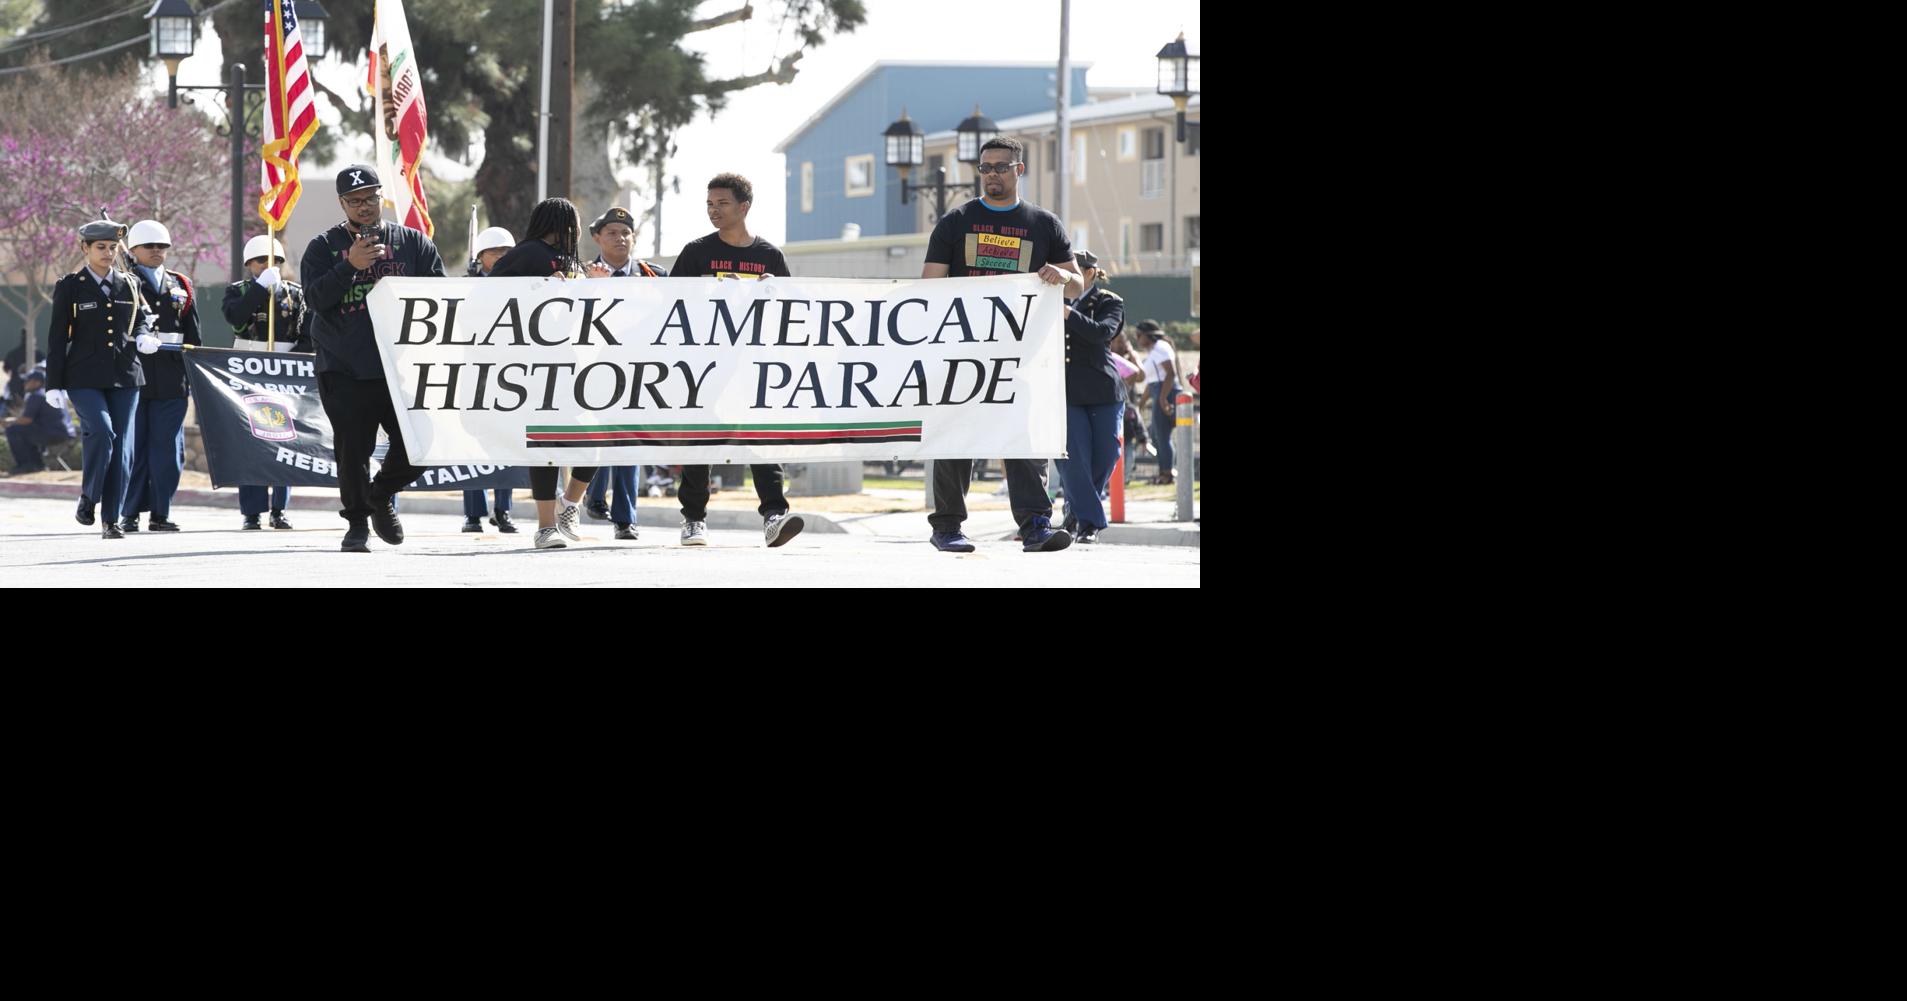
[{"x": 262, "y": 425}]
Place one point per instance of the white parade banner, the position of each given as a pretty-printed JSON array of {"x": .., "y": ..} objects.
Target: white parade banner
[{"x": 621, "y": 371}]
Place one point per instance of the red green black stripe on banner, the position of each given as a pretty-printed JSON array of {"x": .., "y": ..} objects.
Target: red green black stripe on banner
[{"x": 571, "y": 436}]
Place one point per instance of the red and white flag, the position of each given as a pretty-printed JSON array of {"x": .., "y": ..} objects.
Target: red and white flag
[{"x": 402, "y": 129}]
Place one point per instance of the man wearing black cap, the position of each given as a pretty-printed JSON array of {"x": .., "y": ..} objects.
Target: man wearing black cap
[
  {"x": 615, "y": 234},
  {"x": 339, "y": 269},
  {"x": 96, "y": 333}
]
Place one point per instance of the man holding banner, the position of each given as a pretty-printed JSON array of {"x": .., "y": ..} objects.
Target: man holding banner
[
  {"x": 733, "y": 252},
  {"x": 339, "y": 269},
  {"x": 998, "y": 234}
]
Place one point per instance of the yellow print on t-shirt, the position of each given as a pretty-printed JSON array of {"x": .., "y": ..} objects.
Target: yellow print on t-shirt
[
  {"x": 991, "y": 252},
  {"x": 732, "y": 274}
]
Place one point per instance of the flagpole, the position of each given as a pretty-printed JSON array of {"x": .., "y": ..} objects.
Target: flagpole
[{"x": 271, "y": 294}]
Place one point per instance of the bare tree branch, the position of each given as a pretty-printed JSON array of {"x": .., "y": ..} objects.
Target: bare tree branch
[
  {"x": 783, "y": 74},
  {"x": 747, "y": 11}
]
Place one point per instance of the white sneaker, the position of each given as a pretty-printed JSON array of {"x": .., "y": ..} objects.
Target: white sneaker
[
  {"x": 780, "y": 528},
  {"x": 566, "y": 519},
  {"x": 695, "y": 533},
  {"x": 549, "y": 538}
]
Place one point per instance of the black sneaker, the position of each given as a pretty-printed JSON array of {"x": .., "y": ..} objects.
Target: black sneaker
[
  {"x": 160, "y": 525},
  {"x": 951, "y": 542},
  {"x": 85, "y": 513},
  {"x": 1087, "y": 536},
  {"x": 357, "y": 538},
  {"x": 251, "y": 524},
  {"x": 472, "y": 525},
  {"x": 1040, "y": 537},
  {"x": 129, "y": 524},
  {"x": 111, "y": 530},
  {"x": 384, "y": 521},
  {"x": 278, "y": 521},
  {"x": 597, "y": 510},
  {"x": 502, "y": 520}
]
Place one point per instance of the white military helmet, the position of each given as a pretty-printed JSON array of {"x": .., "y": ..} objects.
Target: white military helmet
[
  {"x": 257, "y": 246},
  {"x": 148, "y": 231},
  {"x": 492, "y": 238}
]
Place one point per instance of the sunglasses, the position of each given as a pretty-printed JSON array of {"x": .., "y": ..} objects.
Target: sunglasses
[{"x": 995, "y": 168}]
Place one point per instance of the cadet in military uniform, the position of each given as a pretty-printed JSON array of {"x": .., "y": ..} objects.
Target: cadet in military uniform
[
  {"x": 1095, "y": 401},
  {"x": 244, "y": 307},
  {"x": 490, "y": 247},
  {"x": 159, "y": 420},
  {"x": 94, "y": 340}
]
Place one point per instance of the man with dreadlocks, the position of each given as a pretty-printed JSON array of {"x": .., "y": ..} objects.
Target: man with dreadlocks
[
  {"x": 340, "y": 268},
  {"x": 549, "y": 249}
]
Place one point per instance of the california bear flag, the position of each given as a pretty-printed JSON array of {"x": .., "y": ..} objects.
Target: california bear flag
[{"x": 403, "y": 129}]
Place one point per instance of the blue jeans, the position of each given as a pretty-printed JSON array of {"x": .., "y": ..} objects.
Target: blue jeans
[
  {"x": 1162, "y": 424},
  {"x": 623, "y": 511},
  {"x": 106, "y": 444},
  {"x": 1092, "y": 449},
  {"x": 473, "y": 504},
  {"x": 252, "y": 500},
  {"x": 159, "y": 427}
]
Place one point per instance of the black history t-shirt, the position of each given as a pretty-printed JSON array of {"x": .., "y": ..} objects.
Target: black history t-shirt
[
  {"x": 709, "y": 257},
  {"x": 977, "y": 239}
]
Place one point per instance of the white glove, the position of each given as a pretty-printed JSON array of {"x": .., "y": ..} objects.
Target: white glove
[
  {"x": 268, "y": 277},
  {"x": 148, "y": 344}
]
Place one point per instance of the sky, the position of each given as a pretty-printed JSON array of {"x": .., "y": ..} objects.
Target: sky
[{"x": 1119, "y": 38}]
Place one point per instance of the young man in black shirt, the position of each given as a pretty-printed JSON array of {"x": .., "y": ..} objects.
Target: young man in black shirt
[
  {"x": 340, "y": 267},
  {"x": 732, "y": 252},
  {"x": 998, "y": 234}
]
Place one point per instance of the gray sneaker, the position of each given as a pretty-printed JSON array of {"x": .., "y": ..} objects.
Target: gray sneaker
[
  {"x": 549, "y": 538},
  {"x": 695, "y": 533},
  {"x": 566, "y": 519},
  {"x": 780, "y": 528}
]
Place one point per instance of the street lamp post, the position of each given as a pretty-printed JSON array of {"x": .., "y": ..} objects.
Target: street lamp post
[
  {"x": 1178, "y": 76},
  {"x": 905, "y": 142}
]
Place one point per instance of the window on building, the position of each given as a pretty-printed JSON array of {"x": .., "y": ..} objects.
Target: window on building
[
  {"x": 1151, "y": 237},
  {"x": 1191, "y": 232},
  {"x": 807, "y": 187},
  {"x": 860, "y": 175},
  {"x": 1155, "y": 144}
]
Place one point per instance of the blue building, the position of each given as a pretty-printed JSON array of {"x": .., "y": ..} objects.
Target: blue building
[{"x": 837, "y": 169}]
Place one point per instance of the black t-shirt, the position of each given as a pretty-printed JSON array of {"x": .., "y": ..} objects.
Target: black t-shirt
[
  {"x": 976, "y": 239},
  {"x": 709, "y": 257},
  {"x": 529, "y": 259}
]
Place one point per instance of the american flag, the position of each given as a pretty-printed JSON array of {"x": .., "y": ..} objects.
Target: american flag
[{"x": 290, "y": 117}]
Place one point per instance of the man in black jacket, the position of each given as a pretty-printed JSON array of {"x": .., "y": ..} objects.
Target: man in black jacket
[{"x": 339, "y": 269}]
